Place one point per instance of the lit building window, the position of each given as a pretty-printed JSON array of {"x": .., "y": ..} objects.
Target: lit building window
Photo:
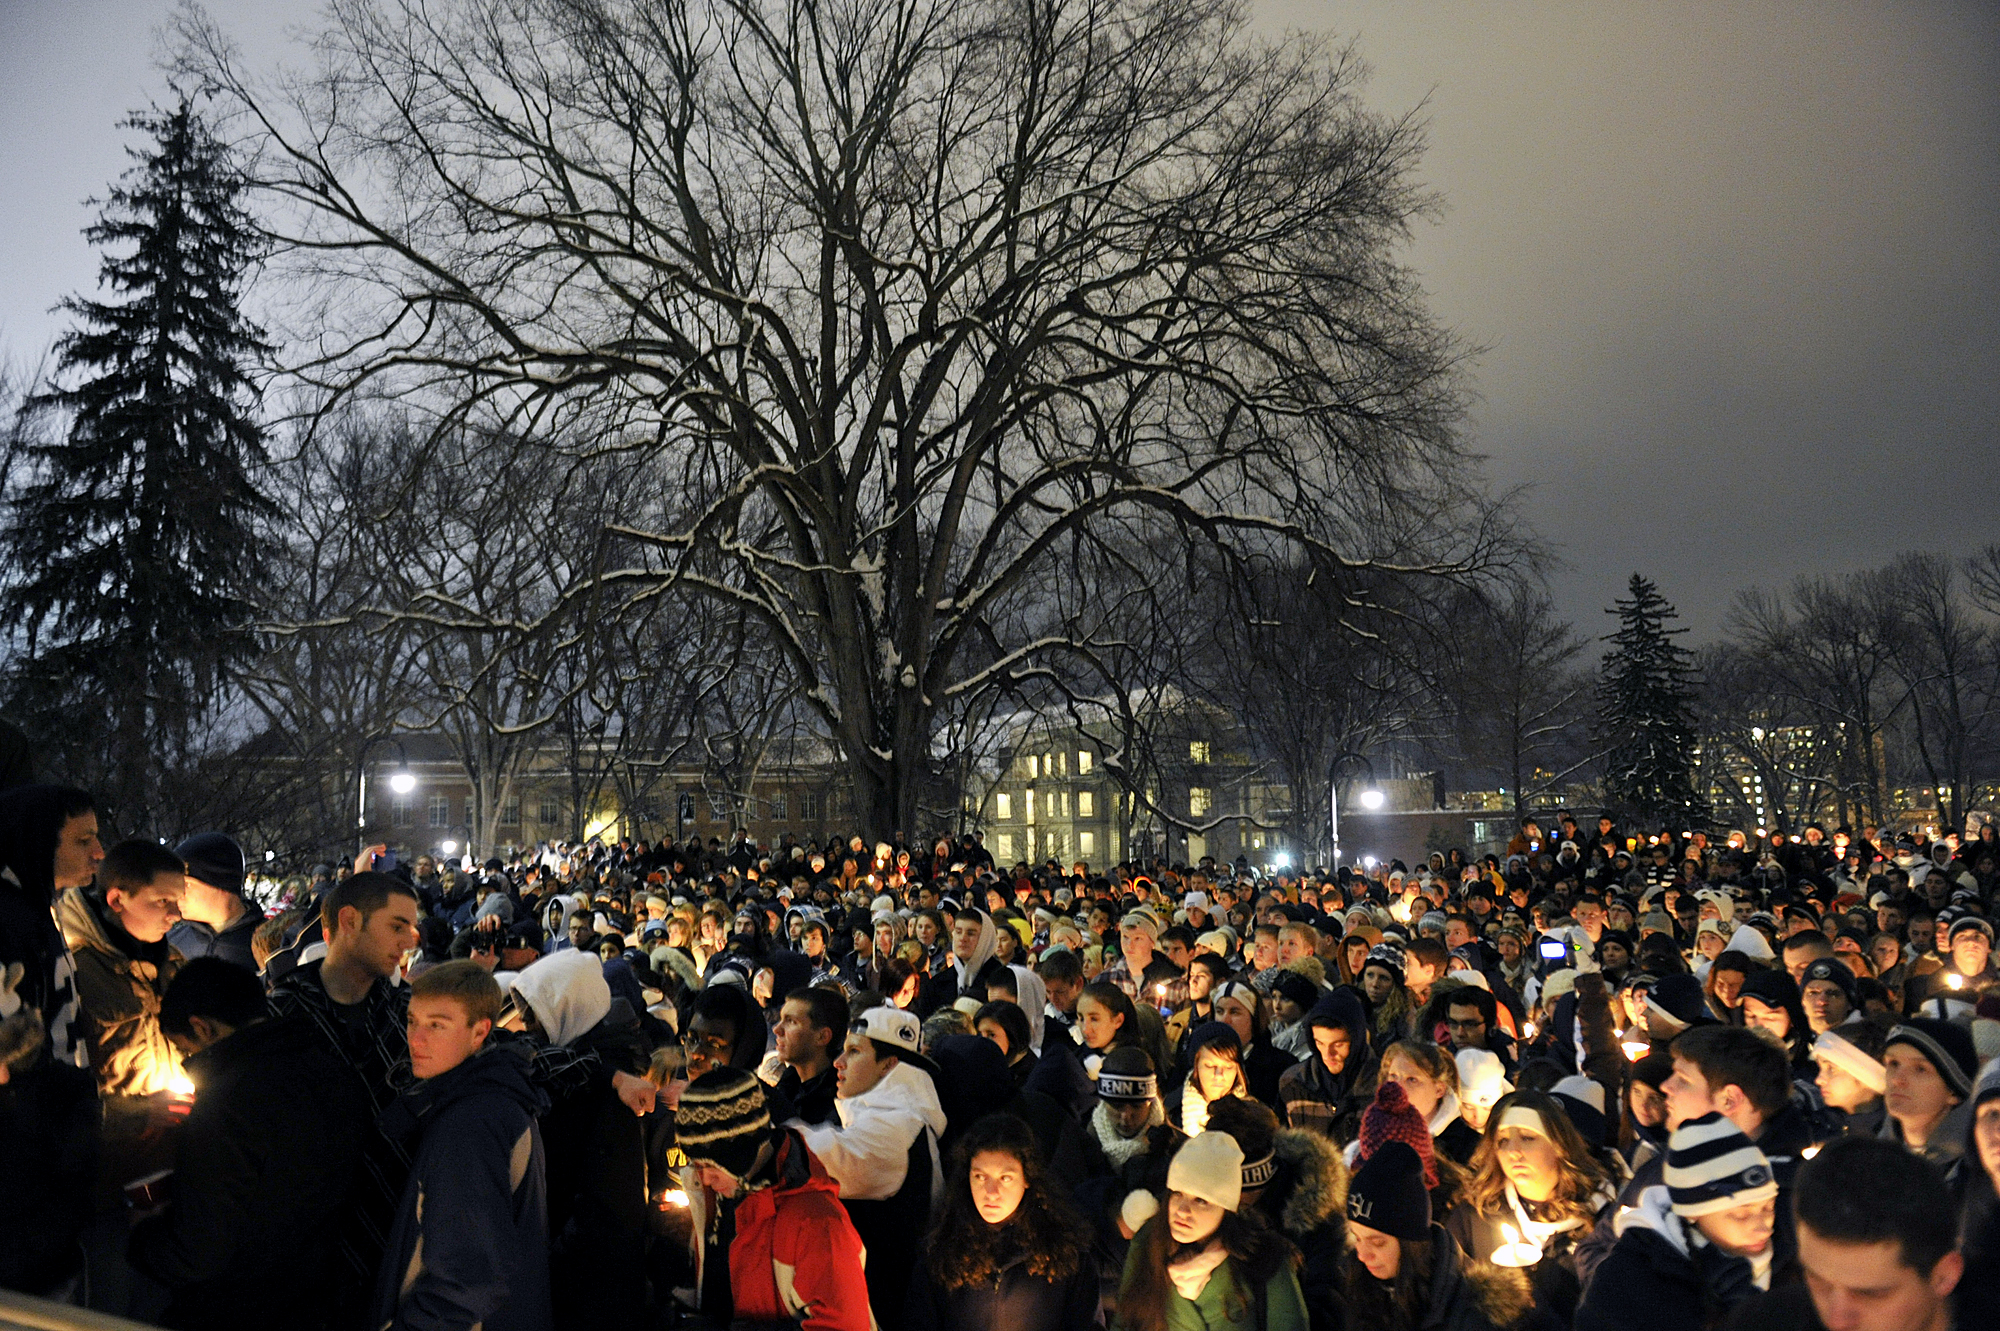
[
  {"x": 1003, "y": 806},
  {"x": 1083, "y": 762},
  {"x": 1086, "y": 804},
  {"x": 1197, "y": 750},
  {"x": 1198, "y": 801}
]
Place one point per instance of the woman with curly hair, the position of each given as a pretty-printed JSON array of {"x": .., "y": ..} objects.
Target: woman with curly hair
[
  {"x": 1535, "y": 1175},
  {"x": 1006, "y": 1252},
  {"x": 1205, "y": 1261}
]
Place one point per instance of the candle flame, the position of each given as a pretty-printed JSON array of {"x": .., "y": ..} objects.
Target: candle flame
[
  {"x": 1955, "y": 980},
  {"x": 1511, "y": 1234},
  {"x": 674, "y": 1199},
  {"x": 178, "y": 1084}
]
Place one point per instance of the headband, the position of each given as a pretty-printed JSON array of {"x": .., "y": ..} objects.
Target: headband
[
  {"x": 1256, "y": 1173},
  {"x": 1521, "y": 1116},
  {"x": 1851, "y": 1060}
]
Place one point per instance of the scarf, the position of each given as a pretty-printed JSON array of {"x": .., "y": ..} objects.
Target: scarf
[
  {"x": 1119, "y": 1150},
  {"x": 1539, "y": 1232},
  {"x": 1190, "y": 1274}
]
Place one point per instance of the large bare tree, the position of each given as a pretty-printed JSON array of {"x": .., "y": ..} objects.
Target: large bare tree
[{"x": 914, "y": 299}]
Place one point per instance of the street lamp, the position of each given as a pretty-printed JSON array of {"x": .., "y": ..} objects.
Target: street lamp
[
  {"x": 1333, "y": 796},
  {"x": 402, "y": 783}
]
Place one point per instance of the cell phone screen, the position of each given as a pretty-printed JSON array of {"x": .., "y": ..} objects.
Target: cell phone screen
[{"x": 1553, "y": 949}]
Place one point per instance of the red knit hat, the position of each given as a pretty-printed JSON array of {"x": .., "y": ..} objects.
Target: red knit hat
[{"x": 1392, "y": 1118}]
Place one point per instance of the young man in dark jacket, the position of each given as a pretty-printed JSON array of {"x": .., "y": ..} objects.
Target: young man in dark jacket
[
  {"x": 471, "y": 1242},
  {"x": 1696, "y": 1247},
  {"x": 263, "y": 1165}
]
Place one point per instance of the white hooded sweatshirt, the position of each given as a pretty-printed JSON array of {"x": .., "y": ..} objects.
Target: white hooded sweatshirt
[
  {"x": 567, "y": 993},
  {"x": 868, "y": 1153}
]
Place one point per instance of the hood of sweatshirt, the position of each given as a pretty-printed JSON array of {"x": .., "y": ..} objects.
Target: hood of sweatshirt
[
  {"x": 905, "y": 1087},
  {"x": 567, "y": 992}
]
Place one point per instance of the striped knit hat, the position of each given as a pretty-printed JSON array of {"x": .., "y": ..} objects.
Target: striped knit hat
[
  {"x": 1712, "y": 1166},
  {"x": 722, "y": 1118}
]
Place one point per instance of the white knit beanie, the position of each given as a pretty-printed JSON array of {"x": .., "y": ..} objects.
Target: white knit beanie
[{"x": 1210, "y": 1166}]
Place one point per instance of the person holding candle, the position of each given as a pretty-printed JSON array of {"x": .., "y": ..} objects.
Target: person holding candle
[
  {"x": 1215, "y": 1072},
  {"x": 1205, "y": 1261},
  {"x": 1536, "y": 1175},
  {"x": 1405, "y": 1273},
  {"x": 1697, "y": 1246}
]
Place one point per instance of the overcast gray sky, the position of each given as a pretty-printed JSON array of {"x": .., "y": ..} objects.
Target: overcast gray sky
[{"x": 1737, "y": 265}]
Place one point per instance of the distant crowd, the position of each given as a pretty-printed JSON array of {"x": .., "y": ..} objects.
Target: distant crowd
[{"x": 1607, "y": 1079}]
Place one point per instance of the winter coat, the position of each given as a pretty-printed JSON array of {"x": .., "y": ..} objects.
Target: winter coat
[
  {"x": 471, "y": 1240},
  {"x": 1465, "y": 1295},
  {"x": 1115, "y": 1166},
  {"x": 1264, "y": 1067},
  {"x": 1225, "y": 1302},
  {"x": 48, "y": 1167},
  {"x": 1015, "y": 1301},
  {"x": 796, "y": 1259},
  {"x": 192, "y": 939},
  {"x": 262, "y": 1169},
  {"x": 883, "y": 1154},
  {"x": 371, "y": 1040},
  {"x": 1557, "y": 1286},
  {"x": 1307, "y": 1201},
  {"x": 1659, "y": 1278},
  {"x": 812, "y": 1100},
  {"x": 1330, "y": 1103},
  {"x": 30, "y": 822},
  {"x": 119, "y": 984},
  {"x": 867, "y": 1153}
]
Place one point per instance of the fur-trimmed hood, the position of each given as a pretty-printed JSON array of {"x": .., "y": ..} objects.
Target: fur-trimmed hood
[
  {"x": 1502, "y": 1294},
  {"x": 1315, "y": 1180}
]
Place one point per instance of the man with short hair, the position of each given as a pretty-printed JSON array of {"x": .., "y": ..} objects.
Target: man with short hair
[
  {"x": 1964, "y": 971},
  {"x": 1877, "y": 1236},
  {"x": 1141, "y": 973},
  {"x": 883, "y": 1150},
  {"x": 1802, "y": 950},
  {"x": 1264, "y": 964},
  {"x": 248, "y": 1206},
  {"x": 1423, "y": 962},
  {"x": 470, "y": 1244},
  {"x": 360, "y": 1017},
  {"x": 809, "y": 1023},
  {"x": 117, "y": 932},
  {"x": 1472, "y": 1021}
]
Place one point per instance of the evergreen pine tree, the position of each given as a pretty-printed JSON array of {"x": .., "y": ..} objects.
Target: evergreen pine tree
[
  {"x": 1646, "y": 715},
  {"x": 132, "y": 537}
]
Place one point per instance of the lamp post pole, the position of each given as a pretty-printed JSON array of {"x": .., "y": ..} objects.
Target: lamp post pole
[
  {"x": 1333, "y": 795},
  {"x": 361, "y": 785}
]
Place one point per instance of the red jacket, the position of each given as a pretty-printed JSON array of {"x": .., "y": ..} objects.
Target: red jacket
[{"x": 796, "y": 1259}]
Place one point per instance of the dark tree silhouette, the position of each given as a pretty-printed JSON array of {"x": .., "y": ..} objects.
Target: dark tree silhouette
[
  {"x": 1646, "y": 696},
  {"x": 132, "y": 536}
]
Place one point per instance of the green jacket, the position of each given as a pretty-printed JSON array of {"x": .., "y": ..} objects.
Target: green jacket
[{"x": 1225, "y": 1303}]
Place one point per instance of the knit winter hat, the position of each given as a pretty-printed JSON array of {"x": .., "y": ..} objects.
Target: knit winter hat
[
  {"x": 1711, "y": 1166},
  {"x": 1947, "y": 1045},
  {"x": 1143, "y": 919},
  {"x": 1832, "y": 1048},
  {"x": 722, "y": 1118},
  {"x": 1127, "y": 1074},
  {"x": 1296, "y": 987},
  {"x": 214, "y": 859},
  {"x": 1482, "y": 1077},
  {"x": 1679, "y": 998},
  {"x": 1210, "y": 1166},
  {"x": 1582, "y": 1098},
  {"x": 1388, "y": 957},
  {"x": 1826, "y": 968},
  {"x": 1388, "y": 1194},
  {"x": 1392, "y": 1118}
]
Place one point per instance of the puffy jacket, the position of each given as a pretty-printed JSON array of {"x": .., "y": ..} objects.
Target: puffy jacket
[
  {"x": 1307, "y": 1200},
  {"x": 119, "y": 984},
  {"x": 471, "y": 1241},
  {"x": 1655, "y": 1280},
  {"x": 796, "y": 1260},
  {"x": 1466, "y": 1295},
  {"x": 262, "y": 1170},
  {"x": 1224, "y": 1303},
  {"x": 867, "y": 1154}
]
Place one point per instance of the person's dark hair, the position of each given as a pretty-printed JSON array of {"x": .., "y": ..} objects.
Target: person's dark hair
[
  {"x": 825, "y": 1008},
  {"x": 1431, "y": 952},
  {"x": 1044, "y": 1232},
  {"x": 1471, "y": 995},
  {"x": 1113, "y": 999},
  {"x": 213, "y": 988},
  {"x": 896, "y": 973},
  {"x": 1393, "y": 1305},
  {"x": 366, "y": 892},
  {"x": 1746, "y": 1057},
  {"x": 31, "y": 824},
  {"x": 1258, "y": 1252},
  {"x": 465, "y": 983},
  {"x": 1179, "y": 933},
  {"x": 1013, "y": 1022},
  {"x": 1065, "y": 966},
  {"x": 1004, "y": 979},
  {"x": 1809, "y": 940},
  {"x": 1250, "y": 1123},
  {"x": 1866, "y": 1190},
  {"x": 1217, "y": 968},
  {"x": 130, "y": 865}
]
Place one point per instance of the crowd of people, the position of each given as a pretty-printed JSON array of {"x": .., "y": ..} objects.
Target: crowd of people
[{"x": 1606, "y": 1080}]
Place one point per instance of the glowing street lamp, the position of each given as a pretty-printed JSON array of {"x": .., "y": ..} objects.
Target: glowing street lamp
[{"x": 1371, "y": 799}]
